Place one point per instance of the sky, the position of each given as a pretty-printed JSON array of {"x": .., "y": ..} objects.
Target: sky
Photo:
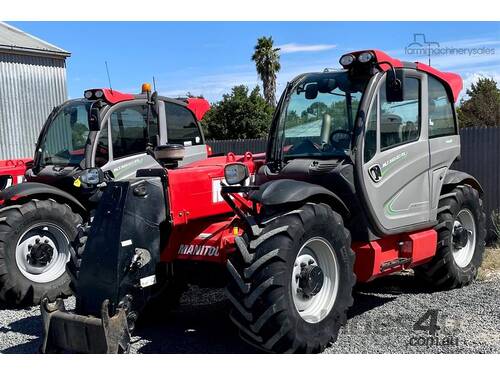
[{"x": 208, "y": 58}]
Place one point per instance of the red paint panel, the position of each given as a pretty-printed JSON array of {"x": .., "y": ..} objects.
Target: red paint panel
[
  {"x": 198, "y": 106},
  {"x": 113, "y": 96},
  {"x": 454, "y": 81},
  {"x": 14, "y": 168},
  {"x": 202, "y": 241},
  {"x": 424, "y": 246},
  {"x": 194, "y": 190},
  {"x": 202, "y": 220},
  {"x": 419, "y": 246},
  {"x": 382, "y": 56},
  {"x": 370, "y": 256}
]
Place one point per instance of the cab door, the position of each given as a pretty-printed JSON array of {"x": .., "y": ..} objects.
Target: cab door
[{"x": 395, "y": 169}]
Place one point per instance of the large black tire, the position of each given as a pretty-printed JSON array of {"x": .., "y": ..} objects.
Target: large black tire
[
  {"x": 442, "y": 271},
  {"x": 260, "y": 286},
  {"x": 76, "y": 250},
  {"x": 16, "y": 287}
]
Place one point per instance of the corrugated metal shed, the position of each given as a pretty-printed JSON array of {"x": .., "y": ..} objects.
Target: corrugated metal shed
[{"x": 32, "y": 82}]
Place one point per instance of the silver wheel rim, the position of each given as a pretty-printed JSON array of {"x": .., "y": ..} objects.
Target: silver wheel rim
[
  {"x": 463, "y": 255},
  {"x": 55, "y": 237},
  {"x": 318, "y": 252}
]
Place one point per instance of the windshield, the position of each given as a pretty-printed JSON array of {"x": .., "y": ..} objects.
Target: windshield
[
  {"x": 319, "y": 114},
  {"x": 65, "y": 139}
]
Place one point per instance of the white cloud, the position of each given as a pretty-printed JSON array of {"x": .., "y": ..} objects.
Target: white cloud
[{"x": 295, "y": 47}]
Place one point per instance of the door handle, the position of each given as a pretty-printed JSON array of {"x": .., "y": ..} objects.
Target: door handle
[{"x": 375, "y": 173}]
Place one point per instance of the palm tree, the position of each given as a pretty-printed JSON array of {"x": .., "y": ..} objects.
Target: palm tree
[{"x": 267, "y": 63}]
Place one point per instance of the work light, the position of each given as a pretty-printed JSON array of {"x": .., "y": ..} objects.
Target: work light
[
  {"x": 365, "y": 57},
  {"x": 347, "y": 60}
]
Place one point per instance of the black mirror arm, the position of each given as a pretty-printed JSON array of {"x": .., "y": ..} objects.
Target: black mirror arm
[{"x": 394, "y": 81}]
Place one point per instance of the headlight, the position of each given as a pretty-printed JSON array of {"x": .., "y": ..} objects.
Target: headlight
[
  {"x": 98, "y": 94},
  {"x": 235, "y": 173},
  {"x": 365, "y": 57},
  {"x": 347, "y": 60},
  {"x": 92, "y": 176},
  {"x": 88, "y": 94}
]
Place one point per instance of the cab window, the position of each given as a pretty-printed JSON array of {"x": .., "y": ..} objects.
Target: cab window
[
  {"x": 400, "y": 121},
  {"x": 182, "y": 127},
  {"x": 441, "y": 118},
  {"x": 130, "y": 133}
]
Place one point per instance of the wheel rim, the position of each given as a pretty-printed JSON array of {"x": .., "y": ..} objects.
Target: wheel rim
[
  {"x": 314, "y": 305},
  {"x": 463, "y": 253},
  {"x": 42, "y": 252}
]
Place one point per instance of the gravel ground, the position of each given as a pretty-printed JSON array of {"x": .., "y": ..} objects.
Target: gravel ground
[{"x": 381, "y": 321}]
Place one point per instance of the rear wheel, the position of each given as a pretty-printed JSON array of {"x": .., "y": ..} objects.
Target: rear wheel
[
  {"x": 461, "y": 234},
  {"x": 291, "y": 285},
  {"x": 34, "y": 248}
]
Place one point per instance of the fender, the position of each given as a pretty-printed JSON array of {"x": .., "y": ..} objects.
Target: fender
[
  {"x": 279, "y": 192},
  {"x": 454, "y": 178},
  {"x": 37, "y": 189}
]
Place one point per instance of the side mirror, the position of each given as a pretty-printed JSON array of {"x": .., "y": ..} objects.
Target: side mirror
[
  {"x": 92, "y": 176},
  {"x": 394, "y": 86},
  {"x": 94, "y": 120},
  {"x": 235, "y": 173},
  {"x": 311, "y": 91}
]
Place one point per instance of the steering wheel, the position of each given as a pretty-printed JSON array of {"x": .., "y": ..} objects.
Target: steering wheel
[
  {"x": 340, "y": 139},
  {"x": 304, "y": 147}
]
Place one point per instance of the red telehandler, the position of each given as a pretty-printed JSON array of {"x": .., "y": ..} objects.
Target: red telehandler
[
  {"x": 114, "y": 131},
  {"x": 355, "y": 184}
]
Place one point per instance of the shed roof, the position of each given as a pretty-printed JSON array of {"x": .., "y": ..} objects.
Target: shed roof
[{"x": 17, "y": 41}]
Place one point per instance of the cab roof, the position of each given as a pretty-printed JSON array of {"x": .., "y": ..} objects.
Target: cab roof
[{"x": 452, "y": 80}]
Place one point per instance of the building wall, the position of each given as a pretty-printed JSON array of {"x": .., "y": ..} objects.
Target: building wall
[{"x": 30, "y": 87}]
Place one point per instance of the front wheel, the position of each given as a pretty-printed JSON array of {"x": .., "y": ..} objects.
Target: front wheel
[
  {"x": 35, "y": 240},
  {"x": 291, "y": 286}
]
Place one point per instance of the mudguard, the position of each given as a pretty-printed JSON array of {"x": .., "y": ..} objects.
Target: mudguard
[
  {"x": 454, "y": 178},
  {"x": 285, "y": 191},
  {"x": 37, "y": 189}
]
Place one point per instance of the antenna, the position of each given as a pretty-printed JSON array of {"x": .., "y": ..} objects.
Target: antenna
[
  {"x": 154, "y": 83},
  {"x": 109, "y": 78}
]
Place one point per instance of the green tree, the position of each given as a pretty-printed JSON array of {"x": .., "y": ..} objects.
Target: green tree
[
  {"x": 239, "y": 115},
  {"x": 482, "y": 108},
  {"x": 267, "y": 63}
]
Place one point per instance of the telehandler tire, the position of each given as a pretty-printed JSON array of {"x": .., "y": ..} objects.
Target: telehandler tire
[
  {"x": 291, "y": 285},
  {"x": 461, "y": 240},
  {"x": 35, "y": 240}
]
